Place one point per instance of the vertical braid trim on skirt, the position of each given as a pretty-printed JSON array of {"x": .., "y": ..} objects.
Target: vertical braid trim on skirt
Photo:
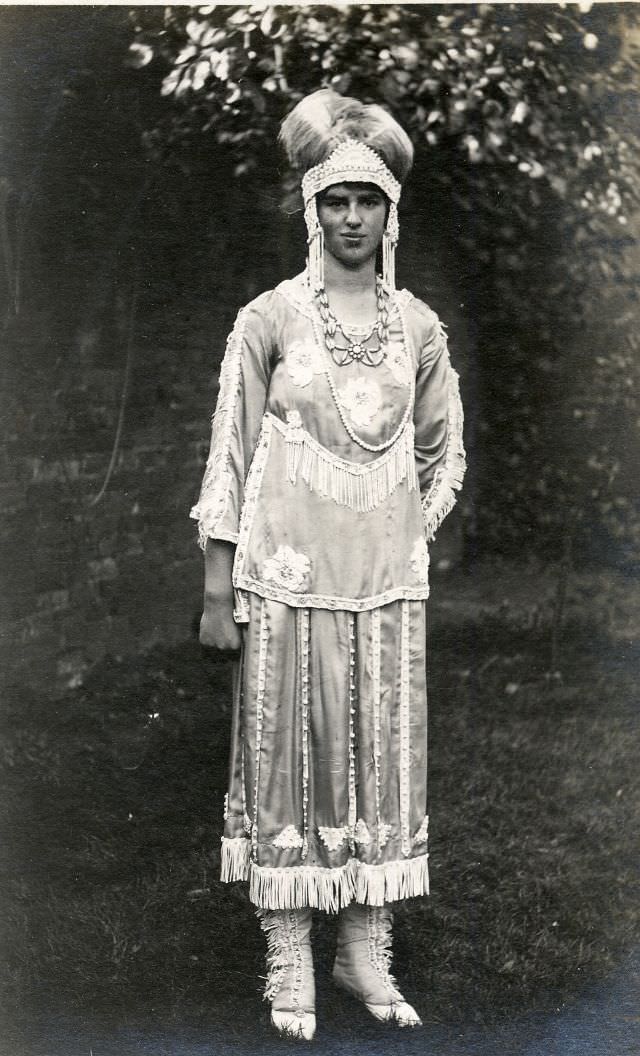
[{"x": 327, "y": 792}]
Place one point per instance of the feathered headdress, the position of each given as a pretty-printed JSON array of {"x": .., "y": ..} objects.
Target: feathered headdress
[{"x": 332, "y": 139}]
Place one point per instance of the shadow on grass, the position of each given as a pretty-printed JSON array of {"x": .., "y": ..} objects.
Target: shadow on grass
[{"x": 113, "y": 800}]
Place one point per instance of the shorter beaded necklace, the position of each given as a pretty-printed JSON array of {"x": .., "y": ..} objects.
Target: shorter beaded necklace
[{"x": 356, "y": 350}]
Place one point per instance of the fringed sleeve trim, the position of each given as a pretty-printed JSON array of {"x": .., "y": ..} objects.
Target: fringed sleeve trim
[
  {"x": 235, "y": 858},
  {"x": 218, "y": 478},
  {"x": 441, "y": 496}
]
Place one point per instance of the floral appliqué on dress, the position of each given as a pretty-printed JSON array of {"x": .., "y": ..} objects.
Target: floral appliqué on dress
[
  {"x": 301, "y": 363},
  {"x": 419, "y": 560},
  {"x": 362, "y": 398},
  {"x": 288, "y": 838},
  {"x": 333, "y": 838},
  {"x": 396, "y": 361},
  {"x": 287, "y": 568},
  {"x": 361, "y": 833}
]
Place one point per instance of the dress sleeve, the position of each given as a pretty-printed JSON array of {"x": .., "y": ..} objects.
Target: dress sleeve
[
  {"x": 242, "y": 395},
  {"x": 438, "y": 421}
]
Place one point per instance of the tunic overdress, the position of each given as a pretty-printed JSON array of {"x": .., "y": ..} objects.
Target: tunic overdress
[{"x": 331, "y": 481}]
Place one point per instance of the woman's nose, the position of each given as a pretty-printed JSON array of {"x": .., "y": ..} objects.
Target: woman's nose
[{"x": 353, "y": 216}]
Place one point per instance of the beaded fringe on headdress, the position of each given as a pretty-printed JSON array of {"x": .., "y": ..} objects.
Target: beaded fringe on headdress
[
  {"x": 389, "y": 243},
  {"x": 350, "y": 162},
  {"x": 315, "y": 242}
]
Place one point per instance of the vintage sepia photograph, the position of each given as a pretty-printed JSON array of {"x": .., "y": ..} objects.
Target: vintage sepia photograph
[{"x": 320, "y": 535}]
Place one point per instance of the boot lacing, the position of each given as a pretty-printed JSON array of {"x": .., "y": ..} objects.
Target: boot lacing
[
  {"x": 283, "y": 953},
  {"x": 380, "y": 938}
]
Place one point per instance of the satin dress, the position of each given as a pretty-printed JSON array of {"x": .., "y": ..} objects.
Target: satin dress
[{"x": 331, "y": 481}]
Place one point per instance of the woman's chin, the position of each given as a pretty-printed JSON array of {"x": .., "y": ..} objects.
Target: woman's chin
[{"x": 354, "y": 257}]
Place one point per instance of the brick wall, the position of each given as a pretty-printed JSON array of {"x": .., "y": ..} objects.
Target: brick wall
[{"x": 87, "y": 579}]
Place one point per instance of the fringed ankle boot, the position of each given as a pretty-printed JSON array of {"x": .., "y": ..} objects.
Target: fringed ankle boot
[
  {"x": 290, "y": 984},
  {"x": 363, "y": 961}
]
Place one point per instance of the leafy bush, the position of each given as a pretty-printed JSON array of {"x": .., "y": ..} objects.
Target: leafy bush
[{"x": 522, "y": 117}]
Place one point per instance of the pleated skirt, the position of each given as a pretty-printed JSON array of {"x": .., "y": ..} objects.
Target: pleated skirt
[{"x": 327, "y": 799}]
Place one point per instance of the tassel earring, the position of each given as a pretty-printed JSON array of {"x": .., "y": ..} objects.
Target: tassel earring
[
  {"x": 389, "y": 243},
  {"x": 315, "y": 242}
]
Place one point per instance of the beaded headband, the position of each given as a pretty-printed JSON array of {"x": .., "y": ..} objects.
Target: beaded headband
[{"x": 351, "y": 162}]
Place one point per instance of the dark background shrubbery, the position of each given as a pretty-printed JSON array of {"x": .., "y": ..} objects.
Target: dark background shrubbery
[{"x": 143, "y": 201}]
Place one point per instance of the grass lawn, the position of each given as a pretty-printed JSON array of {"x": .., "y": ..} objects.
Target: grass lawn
[{"x": 113, "y": 803}]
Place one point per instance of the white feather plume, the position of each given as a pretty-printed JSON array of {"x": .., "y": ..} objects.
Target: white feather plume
[{"x": 318, "y": 123}]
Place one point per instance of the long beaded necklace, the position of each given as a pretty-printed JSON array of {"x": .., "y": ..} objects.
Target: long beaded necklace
[
  {"x": 359, "y": 349},
  {"x": 360, "y": 441}
]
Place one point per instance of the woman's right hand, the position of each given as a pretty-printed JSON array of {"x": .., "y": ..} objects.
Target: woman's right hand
[{"x": 218, "y": 629}]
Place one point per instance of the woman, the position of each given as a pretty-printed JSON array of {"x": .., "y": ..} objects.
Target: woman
[{"x": 336, "y": 452}]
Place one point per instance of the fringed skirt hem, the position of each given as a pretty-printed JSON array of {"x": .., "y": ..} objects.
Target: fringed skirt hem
[{"x": 297, "y": 887}]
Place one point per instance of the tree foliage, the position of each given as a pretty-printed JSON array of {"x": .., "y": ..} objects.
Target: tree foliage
[
  {"x": 524, "y": 119},
  {"x": 511, "y": 86}
]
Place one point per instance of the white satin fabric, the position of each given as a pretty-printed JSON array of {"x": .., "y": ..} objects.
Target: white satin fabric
[{"x": 317, "y": 473}]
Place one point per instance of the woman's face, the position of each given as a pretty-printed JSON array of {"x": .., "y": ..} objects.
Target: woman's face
[{"x": 353, "y": 217}]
